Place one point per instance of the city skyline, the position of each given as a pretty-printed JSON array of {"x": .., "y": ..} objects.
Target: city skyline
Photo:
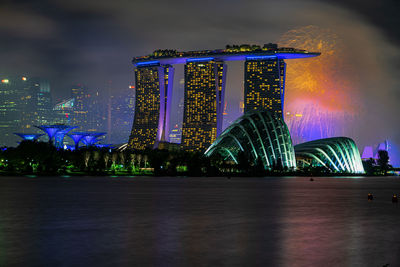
[
  {"x": 27, "y": 102},
  {"x": 199, "y": 133},
  {"x": 93, "y": 43}
]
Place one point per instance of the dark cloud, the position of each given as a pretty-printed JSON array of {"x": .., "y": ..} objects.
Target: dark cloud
[{"x": 383, "y": 14}]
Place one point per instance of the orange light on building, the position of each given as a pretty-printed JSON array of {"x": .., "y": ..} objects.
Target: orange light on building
[
  {"x": 131, "y": 87},
  {"x": 5, "y": 81},
  {"x": 24, "y": 78}
]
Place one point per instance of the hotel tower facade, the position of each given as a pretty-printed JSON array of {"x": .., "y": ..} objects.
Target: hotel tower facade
[
  {"x": 205, "y": 75},
  {"x": 203, "y": 105},
  {"x": 152, "y": 108}
]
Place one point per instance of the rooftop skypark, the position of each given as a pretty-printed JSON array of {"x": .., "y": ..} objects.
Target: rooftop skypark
[{"x": 231, "y": 52}]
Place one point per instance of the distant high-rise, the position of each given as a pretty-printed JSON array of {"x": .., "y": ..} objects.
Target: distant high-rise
[
  {"x": 203, "y": 106},
  {"x": 97, "y": 113},
  {"x": 122, "y": 109},
  {"x": 41, "y": 103},
  {"x": 264, "y": 84},
  {"x": 63, "y": 111},
  {"x": 12, "y": 90},
  {"x": 152, "y": 105},
  {"x": 80, "y": 110}
]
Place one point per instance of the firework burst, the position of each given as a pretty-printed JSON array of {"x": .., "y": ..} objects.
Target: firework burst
[{"x": 320, "y": 100}]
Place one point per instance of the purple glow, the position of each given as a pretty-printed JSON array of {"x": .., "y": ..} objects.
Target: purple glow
[
  {"x": 381, "y": 146},
  {"x": 283, "y": 85},
  {"x": 221, "y": 101},
  {"x": 169, "y": 91},
  {"x": 161, "y": 114},
  {"x": 391, "y": 148},
  {"x": 367, "y": 153}
]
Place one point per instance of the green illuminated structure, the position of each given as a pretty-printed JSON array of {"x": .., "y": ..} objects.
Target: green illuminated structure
[
  {"x": 338, "y": 154},
  {"x": 259, "y": 134}
]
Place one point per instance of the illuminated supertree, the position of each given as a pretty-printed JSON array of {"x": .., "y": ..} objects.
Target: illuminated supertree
[
  {"x": 91, "y": 138},
  {"x": 59, "y": 137},
  {"x": 29, "y": 136},
  {"x": 77, "y": 137},
  {"x": 104, "y": 145},
  {"x": 321, "y": 100},
  {"x": 56, "y": 132}
]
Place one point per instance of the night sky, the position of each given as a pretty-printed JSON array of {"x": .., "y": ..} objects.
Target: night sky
[{"x": 93, "y": 42}]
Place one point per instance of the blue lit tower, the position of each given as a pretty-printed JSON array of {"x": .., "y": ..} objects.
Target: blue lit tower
[
  {"x": 152, "y": 104},
  {"x": 204, "y": 99},
  {"x": 91, "y": 138},
  {"x": 77, "y": 137},
  {"x": 29, "y": 136}
]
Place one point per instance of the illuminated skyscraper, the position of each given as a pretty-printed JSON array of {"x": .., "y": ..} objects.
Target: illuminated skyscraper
[
  {"x": 122, "y": 108},
  {"x": 264, "y": 85},
  {"x": 152, "y": 105},
  {"x": 80, "y": 110},
  {"x": 204, "y": 90},
  {"x": 41, "y": 101},
  {"x": 204, "y": 103},
  {"x": 12, "y": 106}
]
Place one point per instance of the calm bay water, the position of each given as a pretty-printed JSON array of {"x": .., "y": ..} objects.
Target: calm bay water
[{"x": 104, "y": 221}]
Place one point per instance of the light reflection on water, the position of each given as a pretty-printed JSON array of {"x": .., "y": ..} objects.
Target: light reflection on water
[{"x": 102, "y": 221}]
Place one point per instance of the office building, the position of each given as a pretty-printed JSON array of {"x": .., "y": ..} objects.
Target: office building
[{"x": 12, "y": 105}]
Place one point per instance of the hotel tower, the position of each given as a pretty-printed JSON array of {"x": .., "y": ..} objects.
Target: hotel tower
[{"x": 204, "y": 98}]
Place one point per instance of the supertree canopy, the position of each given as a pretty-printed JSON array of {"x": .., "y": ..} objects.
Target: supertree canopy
[
  {"x": 56, "y": 132},
  {"x": 29, "y": 136},
  {"x": 91, "y": 138},
  {"x": 77, "y": 137}
]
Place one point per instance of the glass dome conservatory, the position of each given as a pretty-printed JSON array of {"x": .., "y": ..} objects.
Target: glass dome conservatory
[
  {"x": 338, "y": 154},
  {"x": 259, "y": 135}
]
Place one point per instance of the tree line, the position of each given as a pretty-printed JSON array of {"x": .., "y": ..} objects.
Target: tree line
[{"x": 42, "y": 158}]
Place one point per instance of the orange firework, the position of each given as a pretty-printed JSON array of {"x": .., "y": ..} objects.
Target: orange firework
[{"x": 321, "y": 89}]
